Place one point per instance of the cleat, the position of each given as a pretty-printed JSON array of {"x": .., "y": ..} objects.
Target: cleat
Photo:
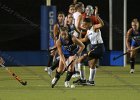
[
  {"x": 132, "y": 71},
  {"x": 67, "y": 84},
  {"x": 90, "y": 83},
  {"x": 80, "y": 82},
  {"x": 75, "y": 75},
  {"x": 54, "y": 81},
  {"x": 46, "y": 69}
]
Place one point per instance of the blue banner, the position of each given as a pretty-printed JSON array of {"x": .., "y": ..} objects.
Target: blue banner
[{"x": 48, "y": 19}]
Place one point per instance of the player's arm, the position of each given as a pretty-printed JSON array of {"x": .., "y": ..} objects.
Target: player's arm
[
  {"x": 59, "y": 48},
  {"x": 77, "y": 25},
  {"x": 55, "y": 32},
  {"x": 85, "y": 39},
  {"x": 96, "y": 21},
  {"x": 79, "y": 43},
  {"x": 128, "y": 37},
  {"x": 100, "y": 25},
  {"x": 80, "y": 25}
]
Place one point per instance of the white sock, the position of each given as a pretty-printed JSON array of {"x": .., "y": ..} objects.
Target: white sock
[
  {"x": 92, "y": 74},
  {"x": 82, "y": 71},
  {"x": 76, "y": 67}
]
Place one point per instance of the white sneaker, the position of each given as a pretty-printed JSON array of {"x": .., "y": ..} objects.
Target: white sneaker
[
  {"x": 67, "y": 84},
  {"x": 54, "y": 81},
  {"x": 132, "y": 71},
  {"x": 49, "y": 71},
  {"x": 46, "y": 69},
  {"x": 75, "y": 75}
]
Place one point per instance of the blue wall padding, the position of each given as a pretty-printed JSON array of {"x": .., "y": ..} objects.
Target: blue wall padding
[
  {"x": 107, "y": 59},
  {"x": 25, "y": 58}
]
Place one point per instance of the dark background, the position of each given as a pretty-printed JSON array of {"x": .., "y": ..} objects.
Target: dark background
[{"x": 20, "y": 21}]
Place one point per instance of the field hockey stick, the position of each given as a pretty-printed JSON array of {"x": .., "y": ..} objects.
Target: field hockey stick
[
  {"x": 66, "y": 68},
  {"x": 89, "y": 52},
  {"x": 115, "y": 58},
  {"x": 14, "y": 75}
]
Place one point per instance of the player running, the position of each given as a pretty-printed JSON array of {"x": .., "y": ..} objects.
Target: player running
[
  {"x": 96, "y": 41},
  {"x": 133, "y": 41},
  {"x": 72, "y": 45}
]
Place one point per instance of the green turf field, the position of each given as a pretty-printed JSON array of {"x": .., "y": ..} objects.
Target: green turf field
[{"x": 112, "y": 83}]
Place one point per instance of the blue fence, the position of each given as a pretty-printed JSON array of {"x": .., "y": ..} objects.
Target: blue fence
[
  {"x": 25, "y": 58},
  {"x": 40, "y": 58},
  {"x": 107, "y": 59}
]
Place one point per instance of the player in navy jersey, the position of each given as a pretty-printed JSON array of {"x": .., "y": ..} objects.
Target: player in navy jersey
[
  {"x": 133, "y": 41},
  {"x": 72, "y": 45}
]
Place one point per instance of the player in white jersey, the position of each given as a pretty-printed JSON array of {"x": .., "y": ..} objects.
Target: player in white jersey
[
  {"x": 79, "y": 7},
  {"x": 77, "y": 15},
  {"x": 97, "y": 49}
]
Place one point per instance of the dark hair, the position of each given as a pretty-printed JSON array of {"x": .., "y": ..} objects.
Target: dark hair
[
  {"x": 60, "y": 12},
  {"x": 88, "y": 20},
  {"x": 63, "y": 29}
]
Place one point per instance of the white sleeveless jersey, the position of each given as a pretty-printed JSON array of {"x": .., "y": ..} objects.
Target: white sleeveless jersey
[
  {"x": 75, "y": 16},
  {"x": 94, "y": 37}
]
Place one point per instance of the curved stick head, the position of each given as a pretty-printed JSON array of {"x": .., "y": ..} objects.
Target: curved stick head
[{"x": 24, "y": 83}]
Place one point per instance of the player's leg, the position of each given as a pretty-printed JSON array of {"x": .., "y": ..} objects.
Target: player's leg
[
  {"x": 76, "y": 71},
  {"x": 134, "y": 44},
  {"x": 132, "y": 60},
  {"x": 93, "y": 59},
  {"x": 58, "y": 73},
  {"x": 69, "y": 72},
  {"x": 49, "y": 62},
  {"x": 82, "y": 79},
  {"x": 92, "y": 64},
  {"x": 55, "y": 64}
]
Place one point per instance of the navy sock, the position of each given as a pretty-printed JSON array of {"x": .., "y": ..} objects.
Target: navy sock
[
  {"x": 54, "y": 65},
  {"x": 68, "y": 76},
  {"x": 58, "y": 74},
  {"x": 132, "y": 63},
  {"x": 50, "y": 61}
]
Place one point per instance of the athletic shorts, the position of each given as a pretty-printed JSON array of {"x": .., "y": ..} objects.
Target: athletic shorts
[
  {"x": 68, "y": 53},
  {"x": 98, "y": 51}
]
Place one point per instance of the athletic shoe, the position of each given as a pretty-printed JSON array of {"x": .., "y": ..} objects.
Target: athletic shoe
[
  {"x": 54, "y": 81},
  {"x": 79, "y": 82},
  {"x": 91, "y": 83},
  {"x": 49, "y": 71},
  {"x": 75, "y": 75},
  {"x": 46, "y": 69},
  {"x": 67, "y": 84},
  {"x": 132, "y": 71}
]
